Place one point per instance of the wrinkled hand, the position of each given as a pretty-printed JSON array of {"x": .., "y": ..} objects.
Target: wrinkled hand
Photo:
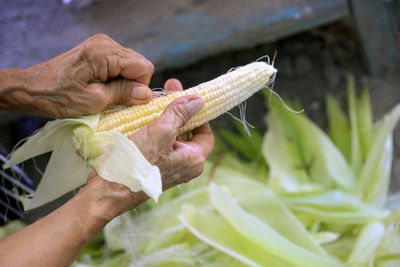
[
  {"x": 178, "y": 161},
  {"x": 86, "y": 79}
]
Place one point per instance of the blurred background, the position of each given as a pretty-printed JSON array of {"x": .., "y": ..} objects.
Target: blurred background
[{"x": 318, "y": 42}]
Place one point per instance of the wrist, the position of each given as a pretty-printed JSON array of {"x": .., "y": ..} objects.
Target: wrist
[
  {"x": 106, "y": 200},
  {"x": 86, "y": 218},
  {"x": 96, "y": 212},
  {"x": 13, "y": 88},
  {"x": 97, "y": 201},
  {"x": 26, "y": 91}
]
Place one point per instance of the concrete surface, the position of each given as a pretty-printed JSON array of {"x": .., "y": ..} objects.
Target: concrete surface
[{"x": 169, "y": 32}]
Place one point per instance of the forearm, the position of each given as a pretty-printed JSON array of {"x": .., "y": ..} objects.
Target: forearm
[
  {"x": 58, "y": 238},
  {"x": 54, "y": 240},
  {"x": 28, "y": 91},
  {"x": 13, "y": 89}
]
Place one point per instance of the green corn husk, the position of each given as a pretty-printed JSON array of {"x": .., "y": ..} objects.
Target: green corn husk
[
  {"x": 356, "y": 149},
  {"x": 366, "y": 244},
  {"x": 375, "y": 174},
  {"x": 365, "y": 121},
  {"x": 100, "y": 150},
  {"x": 324, "y": 163},
  {"x": 314, "y": 201},
  {"x": 339, "y": 128}
]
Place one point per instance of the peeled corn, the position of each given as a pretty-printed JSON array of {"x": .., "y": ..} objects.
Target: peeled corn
[
  {"x": 101, "y": 142},
  {"x": 220, "y": 94}
]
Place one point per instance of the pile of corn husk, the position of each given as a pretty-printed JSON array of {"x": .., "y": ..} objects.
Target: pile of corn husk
[{"x": 295, "y": 197}]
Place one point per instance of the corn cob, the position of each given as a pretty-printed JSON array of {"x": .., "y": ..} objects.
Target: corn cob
[
  {"x": 97, "y": 141},
  {"x": 220, "y": 94}
]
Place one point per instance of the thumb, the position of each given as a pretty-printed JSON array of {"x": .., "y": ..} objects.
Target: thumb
[
  {"x": 127, "y": 92},
  {"x": 180, "y": 111}
]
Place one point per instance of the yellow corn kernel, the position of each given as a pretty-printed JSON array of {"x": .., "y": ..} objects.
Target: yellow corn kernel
[{"x": 220, "y": 94}]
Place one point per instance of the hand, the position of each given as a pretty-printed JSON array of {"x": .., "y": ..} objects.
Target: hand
[
  {"x": 85, "y": 80},
  {"x": 179, "y": 161}
]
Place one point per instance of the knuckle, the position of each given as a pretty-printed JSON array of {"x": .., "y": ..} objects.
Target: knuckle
[
  {"x": 181, "y": 112},
  {"x": 160, "y": 128},
  {"x": 101, "y": 36},
  {"x": 86, "y": 51},
  {"x": 146, "y": 66},
  {"x": 130, "y": 51},
  {"x": 198, "y": 170},
  {"x": 92, "y": 44},
  {"x": 197, "y": 165},
  {"x": 101, "y": 97},
  {"x": 201, "y": 159},
  {"x": 150, "y": 67}
]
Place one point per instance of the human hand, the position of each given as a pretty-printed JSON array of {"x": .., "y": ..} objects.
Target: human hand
[
  {"x": 179, "y": 161},
  {"x": 85, "y": 80}
]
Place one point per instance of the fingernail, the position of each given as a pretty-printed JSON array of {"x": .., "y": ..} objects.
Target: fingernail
[
  {"x": 140, "y": 92},
  {"x": 195, "y": 105}
]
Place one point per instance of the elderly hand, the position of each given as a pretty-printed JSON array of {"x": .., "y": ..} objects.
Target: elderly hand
[
  {"x": 84, "y": 80},
  {"x": 179, "y": 161},
  {"x": 66, "y": 231},
  {"x": 77, "y": 83}
]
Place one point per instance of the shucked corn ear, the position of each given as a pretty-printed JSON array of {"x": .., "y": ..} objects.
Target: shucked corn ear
[
  {"x": 220, "y": 94},
  {"x": 102, "y": 143}
]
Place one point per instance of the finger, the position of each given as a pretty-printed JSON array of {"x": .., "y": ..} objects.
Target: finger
[
  {"x": 161, "y": 134},
  {"x": 203, "y": 137},
  {"x": 173, "y": 85},
  {"x": 136, "y": 67},
  {"x": 180, "y": 111},
  {"x": 188, "y": 155},
  {"x": 122, "y": 92},
  {"x": 109, "y": 59},
  {"x": 138, "y": 93}
]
